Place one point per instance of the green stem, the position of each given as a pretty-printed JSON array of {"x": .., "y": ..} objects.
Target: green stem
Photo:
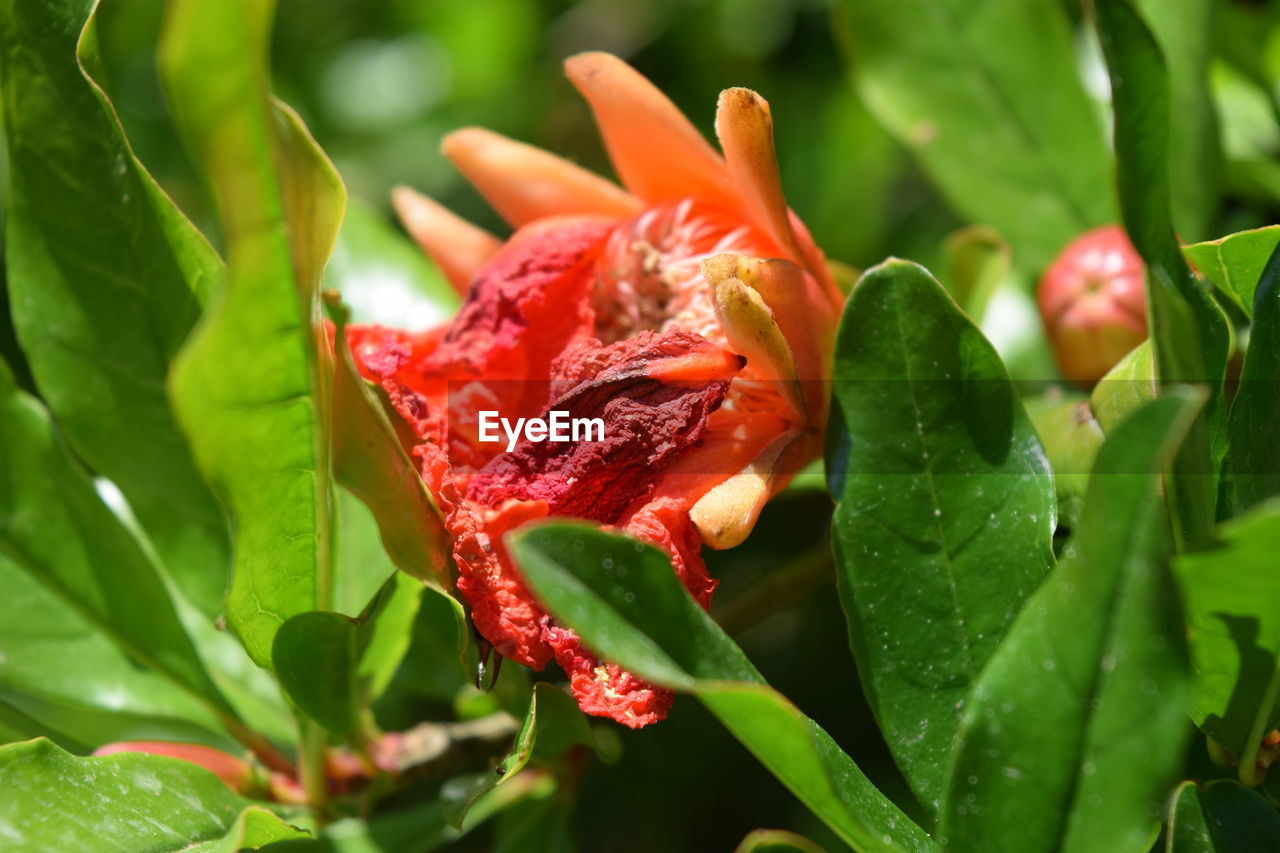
[{"x": 312, "y": 743}]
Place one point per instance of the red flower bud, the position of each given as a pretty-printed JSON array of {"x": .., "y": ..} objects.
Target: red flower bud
[{"x": 1093, "y": 303}]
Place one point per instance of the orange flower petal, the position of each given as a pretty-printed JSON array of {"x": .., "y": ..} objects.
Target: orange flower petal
[
  {"x": 658, "y": 154},
  {"x": 524, "y": 183},
  {"x": 457, "y": 246},
  {"x": 745, "y": 129}
]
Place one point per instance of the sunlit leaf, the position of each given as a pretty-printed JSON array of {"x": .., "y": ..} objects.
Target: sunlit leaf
[
  {"x": 106, "y": 279},
  {"x": 1234, "y": 263},
  {"x": 126, "y": 801},
  {"x": 1233, "y": 611},
  {"x": 966, "y": 89},
  {"x": 251, "y": 387}
]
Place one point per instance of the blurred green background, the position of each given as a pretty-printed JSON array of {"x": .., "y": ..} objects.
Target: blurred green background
[{"x": 380, "y": 81}]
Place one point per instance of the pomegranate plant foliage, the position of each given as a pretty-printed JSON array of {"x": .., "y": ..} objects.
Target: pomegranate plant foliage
[{"x": 213, "y": 531}]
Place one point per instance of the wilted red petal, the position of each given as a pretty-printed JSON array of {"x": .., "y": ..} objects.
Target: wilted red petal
[
  {"x": 655, "y": 398},
  {"x": 605, "y": 689},
  {"x": 504, "y": 612}
]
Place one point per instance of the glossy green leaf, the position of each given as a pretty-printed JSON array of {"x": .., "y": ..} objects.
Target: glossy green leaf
[
  {"x": 1073, "y": 733},
  {"x": 946, "y": 509},
  {"x": 251, "y": 386},
  {"x": 383, "y": 277},
  {"x": 1232, "y": 596},
  {"x": 552, "y": 725},
  {"x": 52, "y": 653},
  {"x": 1127, "y": 387},
  {"x": 127, "y": 801},
  {"x": 54, "y": 527},
  {"x": 537, "y": 825},
  {"x": 965, "y": 88},
  {"x": 315, "y": 655},
  {"x": 370, "y": 461},
  {"x": 386, "y": 631},
  {"x": 360, "y": 563},
  {"x": 1251, "y": 469},
  {"x": 1184, "y": 31},
  {"x": 776, "y": 841},
  {"x": 1234, "y": 263},
  {"x": 1189, "y": 330},
  {"x": 629, "y": 607},
  {"x": 106, "y": 278},
  {"x": 1222, "y": 817},
  {"x": 333, "y": 667}
]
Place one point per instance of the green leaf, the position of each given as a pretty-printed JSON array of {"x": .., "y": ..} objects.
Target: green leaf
[
  {"x": 126, "y": 801},
  {"x": 1071, "y": 437},
  {"x": 1233, "y": 609},
  {"x": 539, "y": 824},
  {"x": 333, "y": 667},
  {"x": 946, "y": 509},
  {"x": 1222, "y": 817},
  {"x": 360, "y": 563},
  {"x": 1073, "y": 732},
  {"x": 1127, "y": 387},
  {"x": 385, "y": 278},
  {"x": 106, "y": 278},
  {"x": 251, "y": 386},
  {"x": 1184, "y": 30},
  {"x": 51, "y": 652},
  {"x": 369, "y": 460},
  {"x": 54, "y": 526},
  {"x": 1234, "y": 263},
  {"x": 315, "y": 656},
  {"x": 386, "y": 631},
  {"x": 978, "y": 260},
  {"x": 552, "y": 725},
  {"x": 1189, "y": 330},
  {"x": 630, "y": 608},
  {"x": 965, "y": 89},
  {"x": 1251, "y": 469}
]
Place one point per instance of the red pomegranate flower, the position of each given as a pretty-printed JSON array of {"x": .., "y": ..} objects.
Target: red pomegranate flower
[{"x": 649, "y": 308}]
